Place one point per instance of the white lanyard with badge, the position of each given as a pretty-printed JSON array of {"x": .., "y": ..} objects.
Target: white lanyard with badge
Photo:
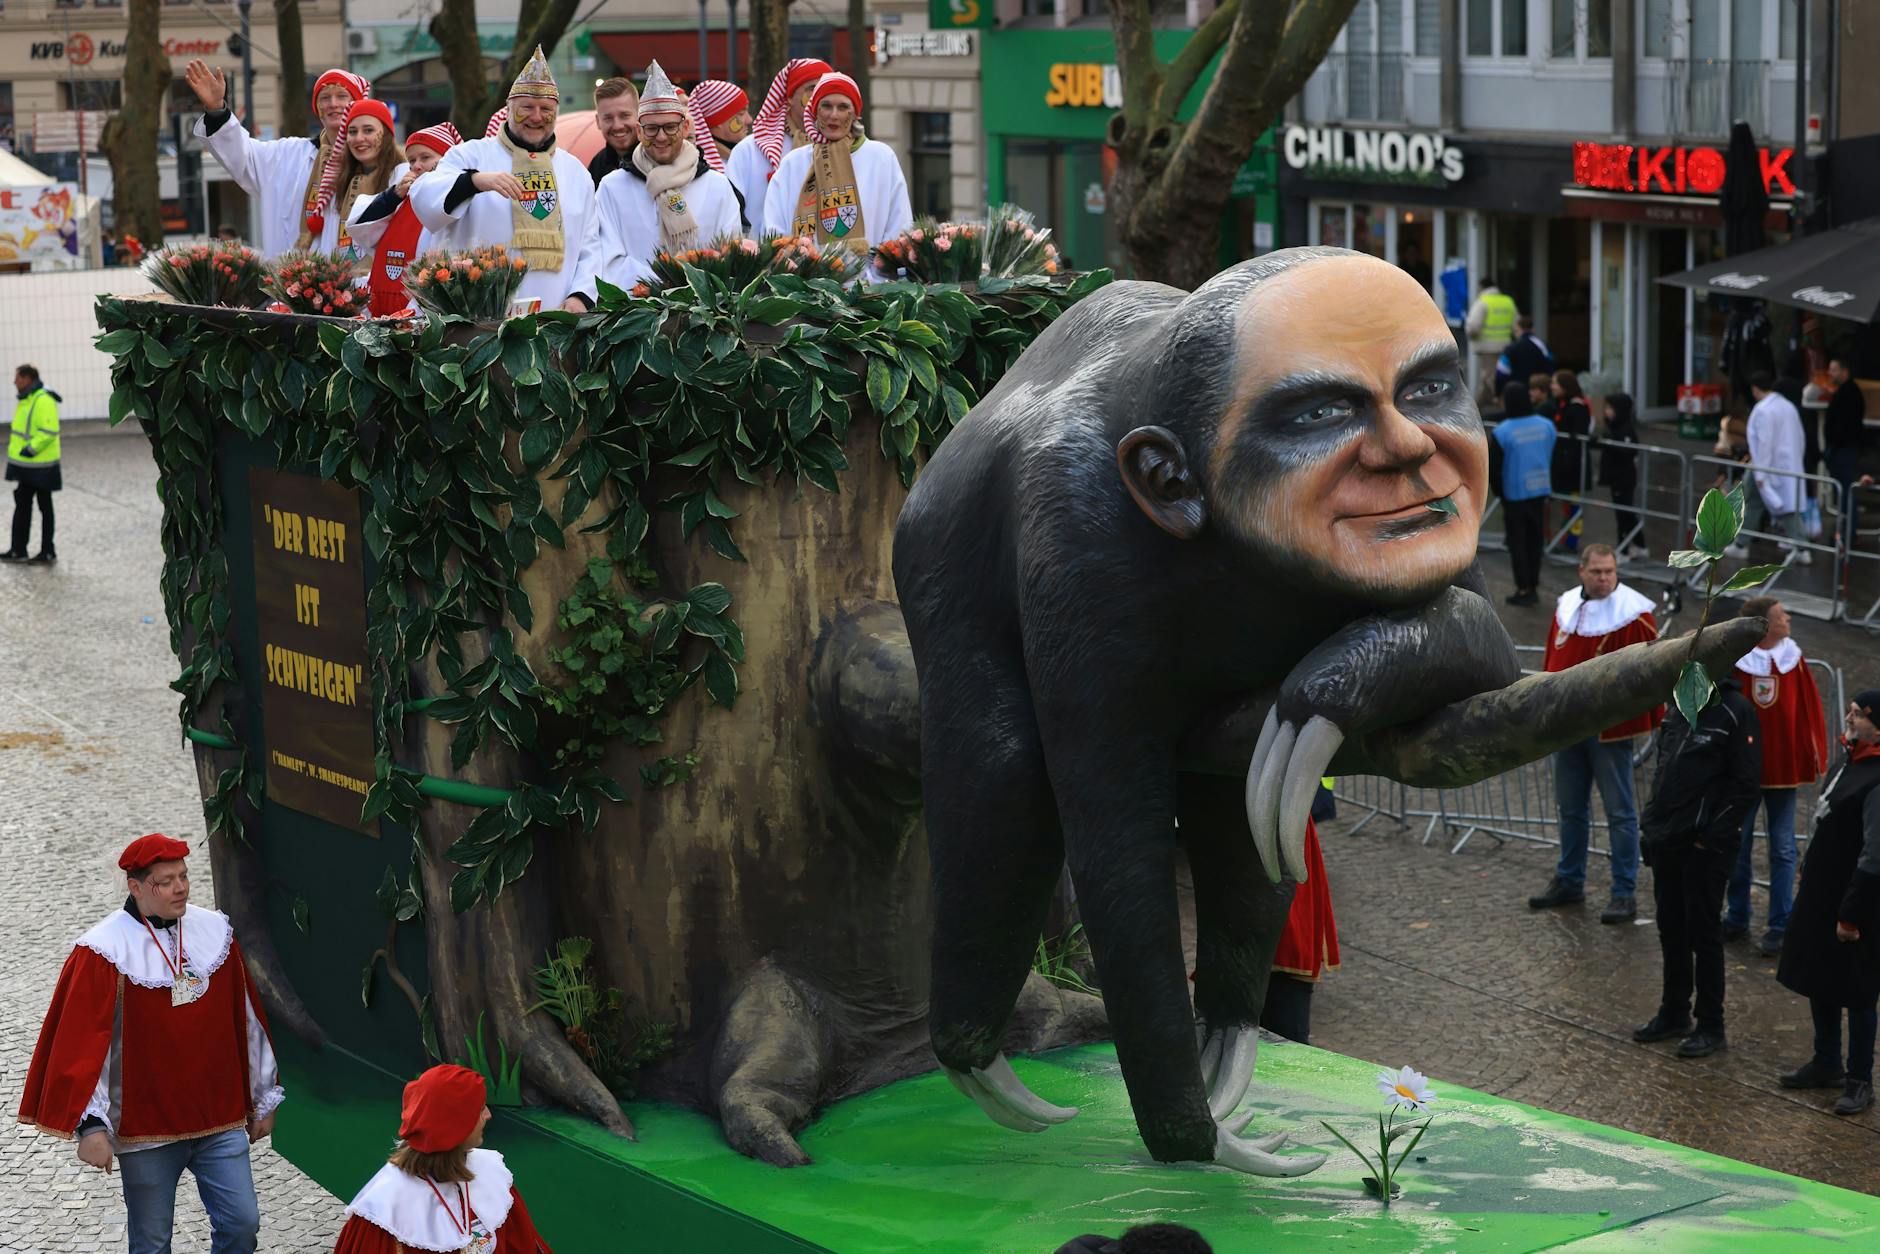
[
  {"x": 187, "y": 985},
  {"x": 471, "y": 1225}
]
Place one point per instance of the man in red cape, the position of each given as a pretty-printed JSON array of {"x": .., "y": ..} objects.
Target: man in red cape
[
  {"x": 1779, "y": 684},
  {"x": 1598, "y": 617},
  {"x": 155, "y": 1051},
  {"x": 441, "y": 1190}
]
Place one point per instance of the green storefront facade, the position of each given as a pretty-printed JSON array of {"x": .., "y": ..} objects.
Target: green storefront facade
[{"x": 1047, "y": 96}]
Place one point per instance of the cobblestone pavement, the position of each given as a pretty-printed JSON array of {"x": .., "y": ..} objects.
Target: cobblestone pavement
[
  {"x": 89, "y": 759},
  {"x": 1445, "y": 967}
]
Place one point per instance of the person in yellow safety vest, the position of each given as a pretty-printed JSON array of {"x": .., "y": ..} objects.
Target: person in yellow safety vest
[
  {"x": 33, "y": 464},
  {"x": 1490, "y": 326}
]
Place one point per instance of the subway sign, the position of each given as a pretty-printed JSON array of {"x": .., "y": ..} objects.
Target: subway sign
[
  {"x": 1671, "y": 171},
  {"x": 1085, "y": 86}
]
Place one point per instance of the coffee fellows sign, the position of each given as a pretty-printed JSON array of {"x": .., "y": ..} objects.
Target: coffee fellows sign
[
  {"x": 310, "y": 609},
  {"x": 1413, "y": 158}
]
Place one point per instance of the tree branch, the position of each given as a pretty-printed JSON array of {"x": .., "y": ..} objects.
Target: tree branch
[
  {"x": 1142, "y": 70},
  {"x": 1265, "y": 64},
  {"x": 541, "y": 22},
  {"x": 1188, "y": 64}
]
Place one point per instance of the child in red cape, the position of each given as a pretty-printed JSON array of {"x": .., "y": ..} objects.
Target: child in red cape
[{"x": 441, "y": 1191}]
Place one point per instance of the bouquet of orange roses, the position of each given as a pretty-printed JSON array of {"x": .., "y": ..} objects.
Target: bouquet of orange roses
[
  {"x": 208, "y": 274},
  {"x": 803, "y": 257},
  {"x": 316, "y": 283},
  {"x": 1015, "y": 247},
  {"x": 934, "y": 252},
  {"x": 477, "y": 283},
  {"x": 734, "y": 259}
]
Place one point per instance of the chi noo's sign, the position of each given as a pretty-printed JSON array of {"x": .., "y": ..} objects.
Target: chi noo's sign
[{"x": 1381, "y": 156}]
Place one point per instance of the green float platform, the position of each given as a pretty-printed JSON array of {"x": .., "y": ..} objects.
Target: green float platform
[{"x": 915, "y": 1167}]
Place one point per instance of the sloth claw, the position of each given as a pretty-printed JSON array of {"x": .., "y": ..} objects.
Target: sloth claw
[
  {"x": 1256, "y": 1158},
  {"x": 1282, "y": 780},
  {"x": 997, "y": 1090},
  {"x": 1235, "y": 1048}
]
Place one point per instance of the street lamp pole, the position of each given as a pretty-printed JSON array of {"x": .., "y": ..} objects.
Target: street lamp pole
[
  {"x": 731, "y": 44},
  {"x": 1799, "y": 162},
  {"x": 248, "y": 67},
  {"x": 704, "y": 61}
]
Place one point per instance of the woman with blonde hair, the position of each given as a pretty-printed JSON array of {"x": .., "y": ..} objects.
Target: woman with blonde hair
[
  {"x": 366, "y": 167},
  {"x": 441, "y": 1190}
]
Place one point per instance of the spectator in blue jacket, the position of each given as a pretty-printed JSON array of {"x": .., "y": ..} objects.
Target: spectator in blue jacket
[{"x": 1520, "y": 459}]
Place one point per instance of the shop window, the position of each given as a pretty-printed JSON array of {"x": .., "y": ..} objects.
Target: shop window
[
  {"x": 1785, "y": 34},
  {"x": 1039, "y": 8},
  {"x": 930, "y": 155},
  {"x": 1660, "y": 28},
  {"x": 8, "y": 141},
  {"x": 1497, "y": 28},
  {"x": 1429, "y": 39},
  {"x": 1582, "y": 30},
  {"x": 92, "y": 93}
]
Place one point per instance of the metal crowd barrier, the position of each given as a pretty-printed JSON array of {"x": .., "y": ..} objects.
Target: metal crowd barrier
[
  {"x": 1663, "y": 492},
  {"x": 1822, "y": 549},
  {"x": 1670, "y": 485},
  {"x": 1521, "y": 804}
]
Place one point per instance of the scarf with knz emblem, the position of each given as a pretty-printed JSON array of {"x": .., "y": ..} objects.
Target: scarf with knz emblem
[
  {"x": 830, "y": 207},
  {"x": 666, "y": 184},
  {"x": 535, "y": 221}
]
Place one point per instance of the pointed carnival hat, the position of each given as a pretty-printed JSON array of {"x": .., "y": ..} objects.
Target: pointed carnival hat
[
  {"x": 659, "y": 95},
  {"x": 536, "y": 79}
]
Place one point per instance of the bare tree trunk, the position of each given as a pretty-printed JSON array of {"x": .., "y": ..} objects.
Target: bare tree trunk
[
  {"x": 770, "y": 43},
  {"x": 858, "y": 44},
  {"x": 475, "y": 95},
  {"x": 296, "y": 110},
  {"x": 1173, "y": 178},
  {"x": 130, "y": 137}
]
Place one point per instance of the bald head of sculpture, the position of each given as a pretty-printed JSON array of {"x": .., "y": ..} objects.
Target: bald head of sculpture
[{"x": 1335, "y": 443}]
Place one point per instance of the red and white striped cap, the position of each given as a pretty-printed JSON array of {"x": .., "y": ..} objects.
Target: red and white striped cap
[
  {"x": 440, "y": 139},
  {"x": 718, "y": 101}
]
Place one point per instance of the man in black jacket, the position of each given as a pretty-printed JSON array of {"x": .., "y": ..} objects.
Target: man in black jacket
[
  {"x": 1846, "y": 431},
  {"x": 1708, "y": 778}
]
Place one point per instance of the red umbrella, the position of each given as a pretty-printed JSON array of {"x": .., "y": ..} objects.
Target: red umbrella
[{"x": 576, "y": 135}]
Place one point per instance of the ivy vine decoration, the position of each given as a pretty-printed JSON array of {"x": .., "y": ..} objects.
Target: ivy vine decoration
[{"x": 713, "y": 383}]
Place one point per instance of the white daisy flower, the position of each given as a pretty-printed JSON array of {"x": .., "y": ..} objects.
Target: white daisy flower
[{"x": 1406, "y": 1088}]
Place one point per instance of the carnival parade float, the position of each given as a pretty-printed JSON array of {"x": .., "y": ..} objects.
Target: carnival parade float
[{"x": 683, "y": 713}]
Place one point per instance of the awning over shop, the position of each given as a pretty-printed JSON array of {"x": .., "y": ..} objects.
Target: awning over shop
[{"x": 1836, "y": 272}]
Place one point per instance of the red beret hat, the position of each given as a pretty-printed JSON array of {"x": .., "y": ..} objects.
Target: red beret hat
[
  {"x": 441, "y": 1108},
  {"x": 149, "y": 850}
]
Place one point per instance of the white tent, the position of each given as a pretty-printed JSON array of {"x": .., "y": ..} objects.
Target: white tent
[{"x": 16, "y": 173}]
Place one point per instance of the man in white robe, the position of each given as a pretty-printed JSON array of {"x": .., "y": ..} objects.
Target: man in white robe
[
  {"x": 517, "y": 189},
  {"x": 292, "y": 179},
  {"x": 777, "y": 130},
  {"x": 842, "y": 188},
  {"x": 665, "y": 197}
]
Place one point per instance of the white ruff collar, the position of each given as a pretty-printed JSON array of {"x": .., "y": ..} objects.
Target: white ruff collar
[
  {"x": 1785, "y": 657},
  {"x": 125, "y": 943},
  {"x": 1574, "y": 613},
  {"x": 404, "y": 1205}
]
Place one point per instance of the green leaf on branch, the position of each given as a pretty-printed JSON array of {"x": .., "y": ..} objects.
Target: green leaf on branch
[
  {"x": 1752, "y": 577},
  {"x": 1719, "y": 518},
  {"x": 1693, "y": 691}
]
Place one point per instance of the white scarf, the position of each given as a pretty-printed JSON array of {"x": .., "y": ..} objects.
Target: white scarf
[
  {"x": 125, "y": 943},
  {"x": 1574, "y": 613},
  {"x": 1782, "y": 659},
  {"x": 405, "y": 1206},
  {"x": 678, "y": 229}
]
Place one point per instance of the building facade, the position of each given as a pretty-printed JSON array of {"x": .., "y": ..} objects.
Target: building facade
[{"x": 1571, "y": 150}]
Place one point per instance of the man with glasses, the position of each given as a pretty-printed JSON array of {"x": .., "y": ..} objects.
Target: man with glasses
[{"x": 665, "y": 197}]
